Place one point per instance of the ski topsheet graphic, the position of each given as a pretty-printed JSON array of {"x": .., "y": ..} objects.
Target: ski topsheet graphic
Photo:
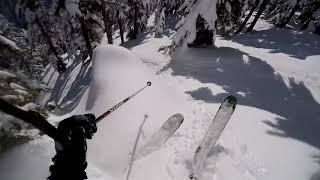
[
  {"x": 161, "y": 136},
  {"x": 212, "y": 135}
]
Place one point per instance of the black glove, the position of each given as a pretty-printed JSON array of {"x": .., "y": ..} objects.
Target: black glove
[
  {"x": 91, "y": 126},
  {"x": 86, "y": 121}
]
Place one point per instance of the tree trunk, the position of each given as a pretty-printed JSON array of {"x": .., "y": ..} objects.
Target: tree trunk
[
  {"x": 317, "y": 29},
  {"x": 305, "y": 24},
  {"x": 287, "y": 19},
  {"x": 261, "y": 9},
  {"x": 135, "y": 22},
  {"x": 61, "y": 66},
  {"x": 256, "y": 3},
  {"x": 107, "y": 22},
  {"x": 85, "y": 35},
  {"x": 120, "y": 28},
  {"x": 61, "y": 5}
]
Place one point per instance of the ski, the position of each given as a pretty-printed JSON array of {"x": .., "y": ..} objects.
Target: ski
[
  {"x": 213, "y": 133},
  {"x": 161, "y": 136}
]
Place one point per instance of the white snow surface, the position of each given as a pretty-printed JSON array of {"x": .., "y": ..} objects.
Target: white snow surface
[
  {"x": 17, "y": 86},
  {"x": 273, "y": 133},
  {"x": 5, "y": 75},
  {"x": 9, "y": 43}
]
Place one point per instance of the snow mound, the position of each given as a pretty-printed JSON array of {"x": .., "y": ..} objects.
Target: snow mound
[{"x": 118, "y": 73}]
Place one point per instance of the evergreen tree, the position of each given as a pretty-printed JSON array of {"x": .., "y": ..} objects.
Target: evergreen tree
[
  {"x": 106, "y": 13},
  {"x": 230, "y": 13},
  {"x": 160, "y": 24},
  {"x": 38, "y": 20},
  {"x": 290, "y": 10},
  {"x": 198, "y": 27},
  {"x": 309, "y": 13}
]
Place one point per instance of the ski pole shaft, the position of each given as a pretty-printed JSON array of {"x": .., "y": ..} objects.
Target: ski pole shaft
[{"x": 120, "y": 103}]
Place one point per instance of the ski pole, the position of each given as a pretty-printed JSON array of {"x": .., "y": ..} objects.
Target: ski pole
[{"x": 120, "y": 103}]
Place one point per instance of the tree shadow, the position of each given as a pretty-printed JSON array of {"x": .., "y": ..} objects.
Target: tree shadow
[
  {"x": 256, "y": 84},
  {"x": 78, "y": 86},
  {"x": 294, "y": 43},
  {"x": 141, "y": 38}
]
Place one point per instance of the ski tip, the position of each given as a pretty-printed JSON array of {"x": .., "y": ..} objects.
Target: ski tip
[{"x": 232, "y": 100}]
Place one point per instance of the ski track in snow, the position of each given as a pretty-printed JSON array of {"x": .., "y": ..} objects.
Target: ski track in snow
[{"x": 247, "y": 149}]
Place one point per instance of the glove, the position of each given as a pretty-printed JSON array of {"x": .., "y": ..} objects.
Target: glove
[
  {"x": 90, "y": 127},
  {"x": 86, "y": 121}
]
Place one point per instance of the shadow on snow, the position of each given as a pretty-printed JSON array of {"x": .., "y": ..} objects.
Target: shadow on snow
[
  {"x": 78, "y": 87},
  {"x": 258, "y": 85},
  {"x": 294, "y": 43}
]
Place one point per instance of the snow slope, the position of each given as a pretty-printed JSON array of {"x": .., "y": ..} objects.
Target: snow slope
[
  {"x": 273, "y": 133},
  {"x": 117, "y": 73}
]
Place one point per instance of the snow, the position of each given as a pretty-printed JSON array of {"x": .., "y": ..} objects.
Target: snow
[
  {"x": 29, "y": 106},
  {"x": 9, "y": 43},
  {"x": 118, "y": 63},
  {"x": 273, "y": 133},
  {"x": 5, "y": 75},
  {"x": 10, "y": 98},
  {"x": 17, "y": 86}
]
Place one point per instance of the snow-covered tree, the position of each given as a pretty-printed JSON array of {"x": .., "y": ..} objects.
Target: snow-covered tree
[
  {"x": 288, "y": 10},
  {"x": 198, "y": 27},
  {"x": 107, "y": 12},
  {"x": 39, "y": 34},
  {"x": 186, "y": 6},
  {"x": 161, "y": 23},
  {"x": 121, "y": 11},
  {"x": 309, "y": 13},
  {"x": 281, "y": 12},
  {"x": 137, "y": 17},
  {"x": 230, "y": 13}
]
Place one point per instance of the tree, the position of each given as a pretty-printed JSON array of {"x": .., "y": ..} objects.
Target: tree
[
  {"x": 286, "y": 17},
  {"x": 37, "y": 16},
  {"x": 253, "y": 8},
  {"x": 186, "y": 6},
  {"x": 198, "y": 27},
  {"x": 309, "y": 12},
  {"x": 161, "y": 24},
  {"x": 259, "y": 13},
  {"x": 80, "y": 25},
  {"x": 107, "y": 21},
  {"x": 137, "y": 17}
]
